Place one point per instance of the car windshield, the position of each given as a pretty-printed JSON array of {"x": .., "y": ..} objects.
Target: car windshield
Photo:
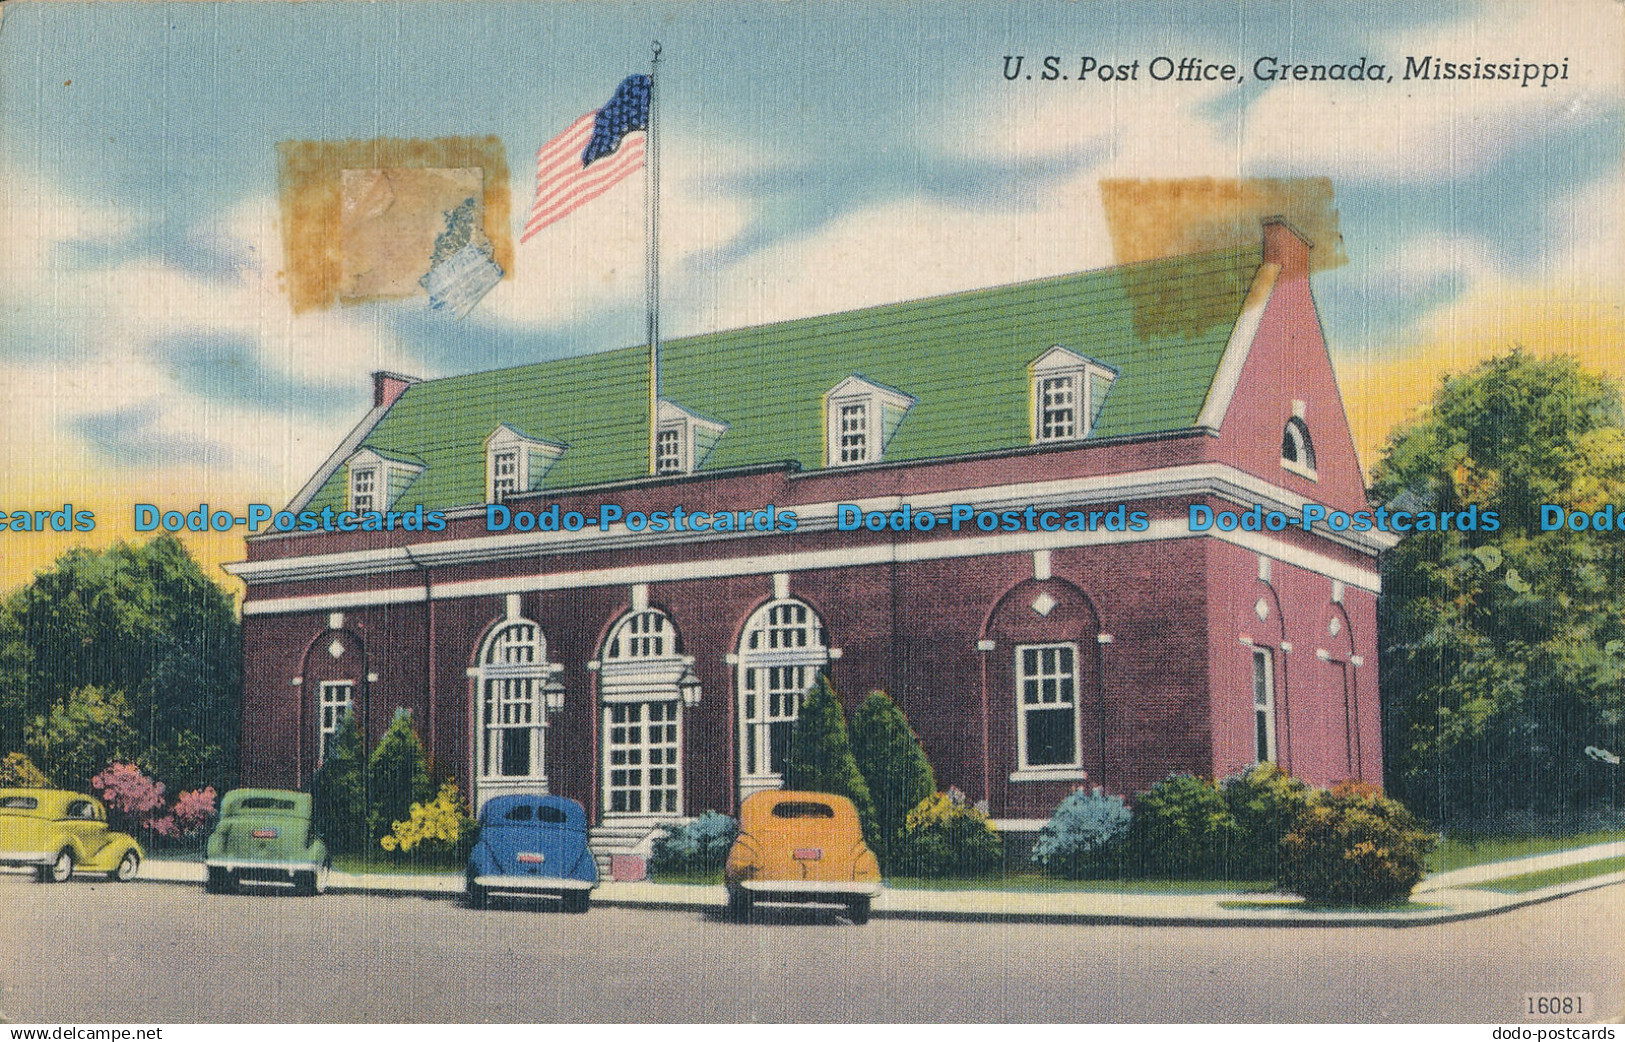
[
  {"x": 19, "y": 803},
  {"x": 265, "y": 803},
  {"x": 543, "y": 815},
  {"x": 802, "y": 809}
]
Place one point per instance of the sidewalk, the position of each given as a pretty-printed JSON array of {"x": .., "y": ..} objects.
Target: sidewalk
[{"x": 1440, "y": 898}]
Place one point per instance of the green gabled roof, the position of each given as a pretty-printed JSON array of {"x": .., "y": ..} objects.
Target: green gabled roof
[{"x": 1162, "y": 324}]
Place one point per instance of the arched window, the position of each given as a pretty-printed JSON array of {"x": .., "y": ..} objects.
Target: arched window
[
  {"x": 642, "y": 678},
  {"x": 1297, "y": 449},
  {"x": 512, "y": 714},
  {"x": 780, "y": 654}
]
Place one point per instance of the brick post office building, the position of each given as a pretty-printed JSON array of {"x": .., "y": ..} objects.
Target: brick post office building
[{"x": 657, "y": 675}]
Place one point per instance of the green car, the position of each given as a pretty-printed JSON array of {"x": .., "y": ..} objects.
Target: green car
[{"x": 265, "y": 836}]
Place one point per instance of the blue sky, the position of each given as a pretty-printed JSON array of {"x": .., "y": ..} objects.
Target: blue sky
[{"x": 817, "y": 156}]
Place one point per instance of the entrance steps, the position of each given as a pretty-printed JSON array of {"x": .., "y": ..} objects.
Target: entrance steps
[{"x": 633, "y": 837}]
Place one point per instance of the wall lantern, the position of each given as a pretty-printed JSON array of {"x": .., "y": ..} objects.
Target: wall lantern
[
  {"x": 553, "y": 693},
  {"x": 688, "y": 685}
]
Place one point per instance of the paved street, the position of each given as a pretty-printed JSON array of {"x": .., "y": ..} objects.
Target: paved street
[{"x": 93, "y": 951}]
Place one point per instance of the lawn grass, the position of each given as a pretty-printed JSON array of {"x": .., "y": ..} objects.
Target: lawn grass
[
  {"x": 1553, "y": 876},
  {"x": 1465, "y": 851}
]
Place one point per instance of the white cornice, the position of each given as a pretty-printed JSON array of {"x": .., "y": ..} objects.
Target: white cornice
[
  {"x": 813, "y": 560},
  {"x": 1228, "y": 376},
  {"x": 1198, "y": 479}
]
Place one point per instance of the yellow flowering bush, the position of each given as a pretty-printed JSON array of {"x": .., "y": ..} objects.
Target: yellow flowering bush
[{"x": 440, "y": 826}]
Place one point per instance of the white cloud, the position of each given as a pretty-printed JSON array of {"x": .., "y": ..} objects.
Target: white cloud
[{"x": 1428, "y": 129}]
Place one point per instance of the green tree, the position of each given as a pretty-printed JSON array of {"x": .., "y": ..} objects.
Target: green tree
[
  {"x": 1503, "y": 648},
  {"x": 821, "y": 759},
  {"x": 397, "y": 775},
  {"x": 893, "y": 764},
  {"x": 140, "y": 619},
  {"x": 80, "y": 735},
  {"x": 339, "y": 791}
]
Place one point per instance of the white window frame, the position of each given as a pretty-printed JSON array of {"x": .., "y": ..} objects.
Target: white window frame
[
  {"x": 782, "y": 649},
  {"x": 512, "y": 674},
  {"x": 506, "y": 443},
  {"x": 1081, "y": 377},
  {"x": 378, "y": 469},
  {"x": 1263, "y": 682},
  {"x": 640, "y": 664},
  {"x": 674, "y": 420},
  {"x": 333, "y": 709},
  {"x": 1296, "y": 431},
  {"x": 1023, "y": 708},
  {"x": 858, "y": 396}
]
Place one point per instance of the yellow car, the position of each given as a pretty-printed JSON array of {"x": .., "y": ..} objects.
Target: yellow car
[
  {"x": 803, "y": 848},
  {"x": 56, "y": 833}
]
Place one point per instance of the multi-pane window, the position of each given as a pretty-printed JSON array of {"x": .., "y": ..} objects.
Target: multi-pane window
[
  {"x": 647, "y": 634},
  {"x": 669, "y": 450},
  {"x": 1047, "y": 692},
  {"x": 642, "y": 748},
  {"x": 854, "y": 432},
  {"x": 504, "y": 474},
  {"x": 338, "y": 701},
  {"x": 513, "y": 668},
  {"x": 1058, "y": 408},
  {"x": 363, "y": 488},
  {"x": 1263, "y": 706},
  {"x": 779, "y": 658}
]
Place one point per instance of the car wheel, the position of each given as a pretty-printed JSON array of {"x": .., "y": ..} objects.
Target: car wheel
[
  {"x": 476, "y": 894},
  {"x": 322, "y": 875},
  {"x": 740, "y": 905},
  {"x": 576, "y": 902},
  {"x": 128, "y": 865},
  {"x": 219, "y": 881},
  {"x": 857, "y": 910},
  {"x": 59, "y": 870}
]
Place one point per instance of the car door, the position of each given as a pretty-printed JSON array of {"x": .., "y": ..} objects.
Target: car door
[{"x": 86, "y": 824}]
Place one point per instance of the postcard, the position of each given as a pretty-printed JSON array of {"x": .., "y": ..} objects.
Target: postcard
[{"x": 721, "y": 512}]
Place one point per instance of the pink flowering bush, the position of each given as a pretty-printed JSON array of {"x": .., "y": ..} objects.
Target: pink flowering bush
[
  {"x": 127, "y": 790},
  {"x": 137, "y": 802},
  {"x": 189, "y": 816}
]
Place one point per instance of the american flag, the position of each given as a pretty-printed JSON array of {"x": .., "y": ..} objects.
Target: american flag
[{"x": 598, "y": 152}]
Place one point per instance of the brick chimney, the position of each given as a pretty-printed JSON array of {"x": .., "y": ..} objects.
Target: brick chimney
[
  {"x": 387, "y": 387},
  {"x": 1286, "y": 246}
]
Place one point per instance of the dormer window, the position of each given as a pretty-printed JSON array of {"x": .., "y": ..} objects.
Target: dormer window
[
  {"x": 1067, "y": 393},
  {"x": 683, "y": 439},
  {"x": 376, "y": 478},
  {"x": 515, "y": 462},
  {"x": 1297, "y": 448},
  {"x": 862, "y": 417}
]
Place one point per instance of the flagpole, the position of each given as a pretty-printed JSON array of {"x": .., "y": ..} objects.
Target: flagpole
[{"x": 652, "y": 262}]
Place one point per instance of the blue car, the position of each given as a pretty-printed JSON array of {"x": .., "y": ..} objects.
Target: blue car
[{"x": 535, "y": 846}]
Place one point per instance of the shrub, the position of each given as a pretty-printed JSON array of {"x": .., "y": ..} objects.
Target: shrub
[
  {"x": 893, "y": 765},
  {"x": 17, "y": 771},
  {"x": 1354, "y": 846},
  {"x": 190, "y": 815},
  {"x": 821, "y": 759},
  {"x": 1183, "y": 829},
  {"x": 133, "y": 799},
  {"x": 397, "y": 776},
  {"x": 699, "y": 847},
  {"x": 945, "y": 836},
  {"x": 1079, "y": 837},
  {"x": 440, "y": 829},
  {"x": 339, "y": 792},
  {"x": 1266, "y": 802}
]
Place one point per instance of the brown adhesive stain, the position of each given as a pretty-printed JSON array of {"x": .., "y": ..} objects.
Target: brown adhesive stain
[
  {"x": 309, "y": 182},
  {"x": 1152, "y": 218}
]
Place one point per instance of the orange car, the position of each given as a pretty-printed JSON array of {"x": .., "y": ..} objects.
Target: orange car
[{"x": 801, "y": 848}]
